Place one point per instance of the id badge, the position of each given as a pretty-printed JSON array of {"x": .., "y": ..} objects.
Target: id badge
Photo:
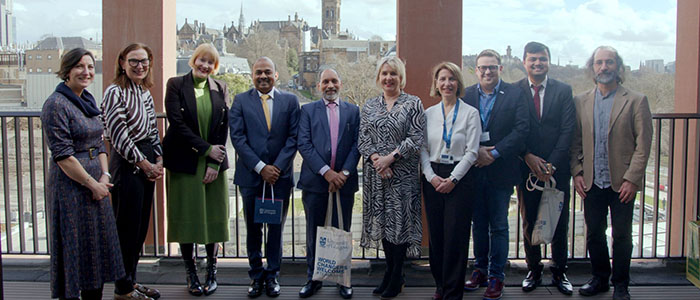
[
  {"x": 446, "y": 159},
  {"x": 485, "y": 137}
]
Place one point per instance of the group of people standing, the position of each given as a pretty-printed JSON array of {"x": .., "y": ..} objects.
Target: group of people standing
[{"x": 465, "y": 154}]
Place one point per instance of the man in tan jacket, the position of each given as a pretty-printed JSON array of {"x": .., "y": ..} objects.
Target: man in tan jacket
[{"x": 609, "y": 155}]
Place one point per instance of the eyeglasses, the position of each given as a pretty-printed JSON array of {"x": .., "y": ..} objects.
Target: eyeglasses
[
  {"x": 135, "y": 62},
  {"x": 493, "y": 68}
]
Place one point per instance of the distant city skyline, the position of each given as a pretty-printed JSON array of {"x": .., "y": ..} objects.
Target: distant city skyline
[{"x": 640, "y": 30}]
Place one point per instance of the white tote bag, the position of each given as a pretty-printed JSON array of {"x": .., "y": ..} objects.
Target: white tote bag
[
  {"x": 333, "y": 260},
  {"x": 549, "y": 210}
]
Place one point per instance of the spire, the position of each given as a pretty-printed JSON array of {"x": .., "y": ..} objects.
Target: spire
[{"x": 241, "y": 20}]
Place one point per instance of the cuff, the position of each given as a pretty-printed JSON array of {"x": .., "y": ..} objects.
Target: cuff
[
  {"x": 324, "y": 170},
  {"x": 208, "y": 151},
  {"x": 259, "y": 167},
  {"x": 213, "y": 166},
  {"x": 495, "y": 153}
]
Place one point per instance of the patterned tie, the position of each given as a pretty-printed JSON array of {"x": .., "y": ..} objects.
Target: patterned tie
[
  {"x": 537, "y": 100},
  {"x": 333, "y": 124},
  {"x": 264, "y": 98}
]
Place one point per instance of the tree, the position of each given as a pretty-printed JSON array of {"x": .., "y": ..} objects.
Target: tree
[
  {"x": 292, "y": 61},
  {"x": 265, "y": 43},
  {"x": 236, "y": 83},
  {"x": 357, "y": 77}
]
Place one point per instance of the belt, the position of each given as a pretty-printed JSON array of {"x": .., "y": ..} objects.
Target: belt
[{"x": 91, "y": 152}]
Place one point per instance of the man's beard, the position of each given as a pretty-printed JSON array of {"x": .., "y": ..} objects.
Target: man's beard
[
  {"x": 330, "y": 96},
  {"x": 606, "y": 78}
]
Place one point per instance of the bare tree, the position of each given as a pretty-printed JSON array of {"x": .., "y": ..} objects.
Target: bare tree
[
  {"x": 265, "y": 43},
  {"x": 357, "y": 77}
]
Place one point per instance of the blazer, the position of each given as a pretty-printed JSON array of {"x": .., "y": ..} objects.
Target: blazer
[
  {"x": 254, "y": 142},
  {"x": 550, "y": 135},
  {"x": 508, "y": 127},
  {"x": 314, "y": 144},
  {"x": 182, "y": 144},
  {"x": 629, "y": 138}
]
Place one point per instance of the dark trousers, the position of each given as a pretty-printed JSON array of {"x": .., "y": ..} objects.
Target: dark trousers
[
  {"x": 95, "y": 294},
  {"x": 449, "y": 224},
  {"x": 529, "y": 205},
  {"x": 132, "y": 198},
  {"x": 254, "y": 238},
  {"x": 595, "y": 213},
  {"x": 315, "y": 206}
]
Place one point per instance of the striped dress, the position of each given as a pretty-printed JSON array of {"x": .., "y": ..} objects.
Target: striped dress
[{"x": 392, "y": 207}]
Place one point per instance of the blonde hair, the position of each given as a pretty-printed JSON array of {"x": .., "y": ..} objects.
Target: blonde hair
[
  {"x": 395, "y": 63},
  {"x": 204, "y": 50},
  {"x": 456, "y": 72}
]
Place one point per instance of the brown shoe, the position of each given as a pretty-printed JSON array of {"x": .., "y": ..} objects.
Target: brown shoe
[
  {"x": 134, "y": 295},
  {"x": 478, "y": 280},
  {"x": 494, "y": 291},
  {"x": 153, "y": 293}
]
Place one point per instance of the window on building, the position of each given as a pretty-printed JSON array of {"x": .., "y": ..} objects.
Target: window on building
[
  {"x": 38, "y": 57},
  {"x": 38, "y": 70},
  {"x": 48, "y": 57},
  {"x": 30, "y": 70},
  {"x": 29, "y": 57},
  {"x": 50, "y": 71}
]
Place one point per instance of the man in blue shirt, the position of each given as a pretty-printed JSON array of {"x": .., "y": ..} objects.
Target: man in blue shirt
[{"x": 504, "y": 124}]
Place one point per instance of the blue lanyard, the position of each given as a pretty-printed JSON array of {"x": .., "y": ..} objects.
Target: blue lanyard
[
  {"x": 485, "y": 112},
  {"x": 445, "y": 136}
]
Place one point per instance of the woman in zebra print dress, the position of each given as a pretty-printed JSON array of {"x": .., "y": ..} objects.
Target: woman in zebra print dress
[{"x": 391, "y": 136}]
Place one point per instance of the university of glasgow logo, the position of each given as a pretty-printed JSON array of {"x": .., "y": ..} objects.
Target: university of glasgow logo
[{"x": 322, "y": 242}]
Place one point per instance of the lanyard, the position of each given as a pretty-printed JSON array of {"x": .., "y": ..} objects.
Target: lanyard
[
  {"x": 485, "y": 112},
  {"x": 447, "y": 137}
]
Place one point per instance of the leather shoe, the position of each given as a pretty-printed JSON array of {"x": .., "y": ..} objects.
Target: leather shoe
[
  {"x": 272, "y": 287},
  {"x": 345, "y": 291},
  {"x": 477, "y": 280},
  {"x": 153, "y": 293},
  {"x": 494, "y": 291},
  {"x": 310, "y": 288},
  {"x": 593, "y": 287},
  {"x": 256, "y": 288},
  {"x": 533, "y": 279},
  {"x": 621, "y": 293},
  {"x": 562, "y": 283},
  {"x": 134, "y": 295}
]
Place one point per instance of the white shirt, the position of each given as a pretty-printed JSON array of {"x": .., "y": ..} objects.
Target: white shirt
[
  {"x": 465, "y": 139},
  {"x": 532, "y": 92},
  {"x": 270, "y": 104}
]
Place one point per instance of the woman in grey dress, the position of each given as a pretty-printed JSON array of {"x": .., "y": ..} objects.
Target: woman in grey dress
[
  {"x": 84, "y": 243},
  {"x": 391, "y": 136}
]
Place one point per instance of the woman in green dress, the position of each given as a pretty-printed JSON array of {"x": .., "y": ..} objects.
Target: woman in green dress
[{"x": 194, "y": 155}]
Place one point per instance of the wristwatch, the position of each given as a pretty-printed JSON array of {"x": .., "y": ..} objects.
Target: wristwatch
[
  {"x": 397, "y": 156},
  {"x": 455, "y": 180},
  {"x": 346, "y": 172}
]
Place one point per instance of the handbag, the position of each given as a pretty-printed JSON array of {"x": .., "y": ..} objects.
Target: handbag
[
  {"x": 548, "y": 212},
  {"x": 268, "y": 210},
  {"x": 333, "y": 260}
]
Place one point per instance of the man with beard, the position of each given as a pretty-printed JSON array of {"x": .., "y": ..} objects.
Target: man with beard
[
  {"x": 327, "y": 141},
  {"x": 609, "y": 154},
  {"x": 552, "y": 121},
  {"x": 263, "y": 123}
]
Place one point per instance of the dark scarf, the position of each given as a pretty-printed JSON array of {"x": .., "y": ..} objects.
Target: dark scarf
[{"x": 86, "y": 103}]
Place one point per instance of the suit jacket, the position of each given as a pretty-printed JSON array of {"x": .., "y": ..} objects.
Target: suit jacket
[
  {"x": 550, "y": 136},
  {"x": 508, "y": 127},
  {"x": 314, "y": 144},
  {"x": 629, "y": 138},
  {"x": 182, "y": 144},
  {"x": 254, "y": 142}
]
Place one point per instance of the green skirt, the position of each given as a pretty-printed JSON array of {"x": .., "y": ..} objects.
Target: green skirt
[{"x": 197, "y": 212}]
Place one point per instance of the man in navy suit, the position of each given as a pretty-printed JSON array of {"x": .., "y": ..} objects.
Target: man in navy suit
[
  {"x": 552, "y": 122},
  {"x": 327, "y": 141},
  {"x": 263, "y": 123},
  {"x": 504, "y": 126}
]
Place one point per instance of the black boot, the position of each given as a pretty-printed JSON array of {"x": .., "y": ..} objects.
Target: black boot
[
  {"x": 397, "y": 280},
  {"x": 388, "y": 247},
  {"x": 193, "y": 285},
  {"x": 210, "y": 285}
]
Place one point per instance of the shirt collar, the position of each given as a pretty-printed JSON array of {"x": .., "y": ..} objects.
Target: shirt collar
[
  {"x": 600, "y": 95},
  {"x": 495, "y": 89},
  {"x": 271, "y": 93},
  {"x": 543, "y": 84},
  {"x": 325, "y": 102}
]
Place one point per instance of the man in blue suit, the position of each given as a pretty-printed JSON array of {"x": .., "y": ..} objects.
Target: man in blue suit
[
  {"x": 504, "y": 127},
  {"x": 327, "y": 141},
  {"x": 263, "y": 123}
]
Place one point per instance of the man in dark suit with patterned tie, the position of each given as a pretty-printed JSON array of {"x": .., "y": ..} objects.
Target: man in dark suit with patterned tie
[
  {"x": 327, "y": 140},
  {"x": 552, "y": 122},
  {"x": 263, "y": 123}
]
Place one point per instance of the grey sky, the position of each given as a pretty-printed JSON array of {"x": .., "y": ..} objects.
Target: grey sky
[{"x": 640, "y": 30}]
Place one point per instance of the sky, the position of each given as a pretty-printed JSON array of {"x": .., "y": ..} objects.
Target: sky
[{"x": 639, "y": 29}]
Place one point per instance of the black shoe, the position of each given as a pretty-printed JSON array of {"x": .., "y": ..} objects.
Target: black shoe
[
  {"x": 594, "y": 286},
  {"x": 394, "y": 289},
  {"x": 210, "y": 285},
  {"x": 533, "y": 279},
  {"x": 382, "y": 286},
  {"x": 193, "y": 285},
  {"x": 272, "y": 287},
  {"x": 621, "y": 293},
  {"x": 345, "y": 291},
  {"x": 310, "y": 288},
  {"x": 256, "y": 288},
  {"x": 562, "y": 283}
]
